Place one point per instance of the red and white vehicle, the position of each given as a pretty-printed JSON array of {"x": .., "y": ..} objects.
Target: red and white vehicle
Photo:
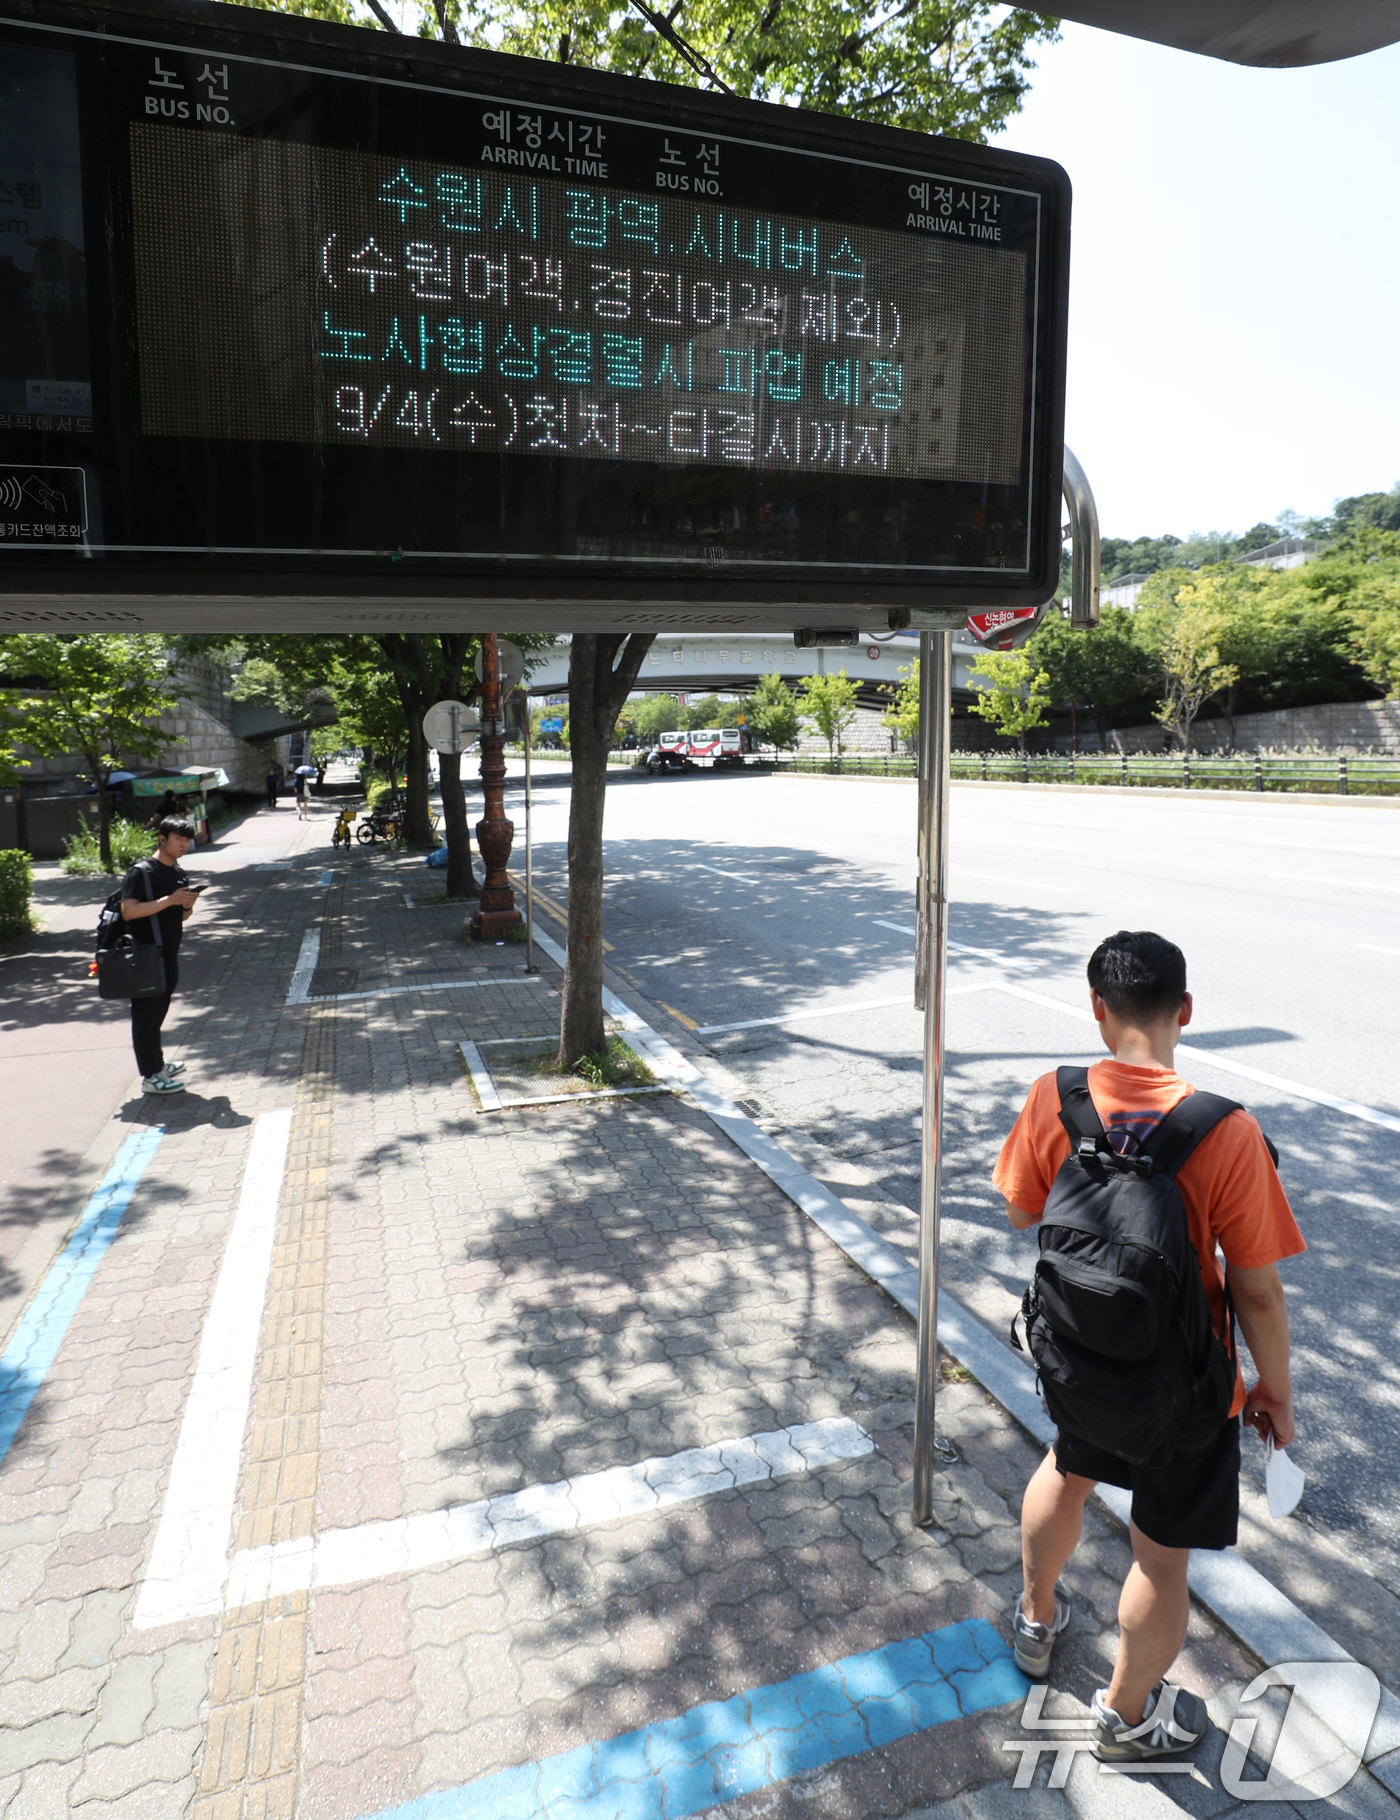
[
  {"x": 703, "y": 744},
  {"x": 720, "y": 746},
  {"x": 673, "y": 742}
]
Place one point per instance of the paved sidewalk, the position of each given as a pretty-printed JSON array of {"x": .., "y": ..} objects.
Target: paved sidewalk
[{"x": 398, "y": 1457}]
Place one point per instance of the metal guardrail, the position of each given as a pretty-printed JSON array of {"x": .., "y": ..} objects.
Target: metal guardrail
[{"x": 1340, "y": 776}]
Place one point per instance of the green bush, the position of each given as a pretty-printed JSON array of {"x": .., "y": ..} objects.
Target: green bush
[
  {"x": 378, "y": 789},
  {"x": 16, "y": 884},
  {"x": 81, "y": 853}
]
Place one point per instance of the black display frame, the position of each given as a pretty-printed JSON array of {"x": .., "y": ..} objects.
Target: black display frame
[{"x": 218, "y": 587}]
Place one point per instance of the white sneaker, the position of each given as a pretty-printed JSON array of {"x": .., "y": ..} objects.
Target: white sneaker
[
  {"x": 160, "y": 1083},
  {"x": 173, "y": 1068}
]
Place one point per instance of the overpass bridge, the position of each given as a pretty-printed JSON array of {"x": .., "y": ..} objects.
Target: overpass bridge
[{"x": 722, "y": 664}]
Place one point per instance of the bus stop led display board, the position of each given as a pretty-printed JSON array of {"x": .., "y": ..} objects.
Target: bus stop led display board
[{"x": 313, "y": 321}]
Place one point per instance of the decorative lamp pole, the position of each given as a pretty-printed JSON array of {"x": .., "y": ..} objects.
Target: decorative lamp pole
[{"x": 495, "y": 914}]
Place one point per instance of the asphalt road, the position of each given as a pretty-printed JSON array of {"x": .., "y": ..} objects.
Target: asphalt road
[{"x": 738, "y": 898}]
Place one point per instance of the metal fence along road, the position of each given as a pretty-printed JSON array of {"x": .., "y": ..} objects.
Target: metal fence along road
[{"x": 1323, "y": 774}]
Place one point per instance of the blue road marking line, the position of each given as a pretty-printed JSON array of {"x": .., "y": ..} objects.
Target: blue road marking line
[
  {"x": 35, "y": 1342},
  {"x": 727, "y": 1748}
]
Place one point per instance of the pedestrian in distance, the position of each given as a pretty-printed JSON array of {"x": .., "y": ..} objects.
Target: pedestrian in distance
[
  {"x": 169, "y": 804},
  {"x": 272, "y": 780},
  {"x": 158, "y": 900},
  {"x": 1134, "y": 1179},
  {"x": 299, "y": 791}
]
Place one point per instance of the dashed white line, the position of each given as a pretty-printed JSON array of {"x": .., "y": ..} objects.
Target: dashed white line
[
  {"x": 189, "y": 1562},
  {"x": 986, "y": 954},
  {"x": 1373, "y": 948},
  {"x": 701, "y": 866},
  {"x": 1370, "y": 1115},
  {"x": 793, "y": 1017},
  {"x": 299, "y": 992},
  {"x": 995, "y": 878},
  {"x": 1347, "y": 884},
  {"x": 370, "y": 1551}
]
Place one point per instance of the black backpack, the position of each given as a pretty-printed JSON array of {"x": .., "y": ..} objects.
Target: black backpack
[{"x": 1116, "y": 1315}]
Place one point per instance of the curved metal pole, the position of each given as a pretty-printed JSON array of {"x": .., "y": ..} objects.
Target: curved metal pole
[
  {"x": 936, "y": 703},
  {"x": 1084, "y": 523}
]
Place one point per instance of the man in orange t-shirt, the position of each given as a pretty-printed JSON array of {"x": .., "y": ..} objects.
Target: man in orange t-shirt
[{"x": 1233, "y": 1200}]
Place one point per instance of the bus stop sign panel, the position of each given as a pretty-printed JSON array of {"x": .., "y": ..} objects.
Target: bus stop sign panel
[{"x": 331, "y": 324}]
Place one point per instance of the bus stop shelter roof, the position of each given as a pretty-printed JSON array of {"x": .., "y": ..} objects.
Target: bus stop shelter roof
[{"x": 1270, "y": 34}]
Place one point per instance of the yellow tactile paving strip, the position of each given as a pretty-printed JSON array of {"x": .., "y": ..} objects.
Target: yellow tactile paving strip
[{"x": 249, "y": 1769}]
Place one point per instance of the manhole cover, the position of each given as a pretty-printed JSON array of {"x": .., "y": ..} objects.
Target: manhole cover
[{"x": 328, "y": 980}]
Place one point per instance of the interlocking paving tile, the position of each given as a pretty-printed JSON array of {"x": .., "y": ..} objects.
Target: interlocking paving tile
[{"x": 721, "y": 1750}]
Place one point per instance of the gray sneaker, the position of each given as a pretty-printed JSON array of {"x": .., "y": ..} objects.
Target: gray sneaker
[
  {"x": 1173, "y": 1721},
  {"x": 160, "y": 1083},
  {"x": 1034, "y": 1644}
]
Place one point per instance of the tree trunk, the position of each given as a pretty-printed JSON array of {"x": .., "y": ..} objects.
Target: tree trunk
[
  {"x": 461, "y": 880},
  {"x": 104, "y": 813},
  {"x": 417, "y": 825},
  {"x": 602, "y": 670}
]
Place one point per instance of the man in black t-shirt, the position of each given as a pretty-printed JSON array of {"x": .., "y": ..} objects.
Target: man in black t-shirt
[{"x": 156, "y": 901}]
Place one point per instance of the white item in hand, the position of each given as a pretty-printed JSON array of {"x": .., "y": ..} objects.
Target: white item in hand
[{"x": 1283, "y": 1481}]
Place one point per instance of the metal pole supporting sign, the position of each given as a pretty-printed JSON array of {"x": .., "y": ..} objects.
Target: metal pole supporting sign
[
  {"x": 936, "y": 704},
  {"x": 931, "y": 960}
]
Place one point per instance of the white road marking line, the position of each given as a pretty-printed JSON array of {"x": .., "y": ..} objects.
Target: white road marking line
[
  {"x": 1016, "y": 840},
  {"x": 1372, "y": 948},
  {"x": 1349, "y": 884},
  {"x": 1370, "y": 1115},
  {"x": 986, "y": 954},
  {"x": 371, "y": 1551},
  {"x": 995, "y": 878},
  {"x": 481, "y": 1077},
  {"x": 794, "y": 1017},
  {"x": 700, "y": 864},
  {"x": 189, "y": 1562},
  {"x": 299, "y": 992}
]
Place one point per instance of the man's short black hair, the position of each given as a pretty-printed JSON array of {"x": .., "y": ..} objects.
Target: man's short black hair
[
  {"x": 175, "y": 824},
  {"x": 1139, "y": 974}
]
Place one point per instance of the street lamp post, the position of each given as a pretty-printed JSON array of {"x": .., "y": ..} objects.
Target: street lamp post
[{"x": 495, "y": 914}]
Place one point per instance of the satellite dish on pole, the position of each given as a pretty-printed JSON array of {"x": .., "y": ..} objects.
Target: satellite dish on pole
[
  {"x": 512, "y": 665},
  {"x": 451, "y": 726}
]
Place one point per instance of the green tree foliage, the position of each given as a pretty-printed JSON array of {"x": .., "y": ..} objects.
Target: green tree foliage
[
  {"x": 1184, "y": 635},
  {"x": 1015, "y": 692},
  {"x": 95, "y": 694},
  {"x": 1361, "y": 512},
  {"x": 773, "y": 713},
  {"x": 959, "y": 68},
  {"x": 1120, "y": 556},
  {"x": 829, "y": 706},
  {"x": 902, "y": 715},
  {"x": 655, "y": 715},
  {"x": 1107, "y": 672}
]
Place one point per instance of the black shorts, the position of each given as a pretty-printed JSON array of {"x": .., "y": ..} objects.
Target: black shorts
[{"x": 1193, "y": 1503}]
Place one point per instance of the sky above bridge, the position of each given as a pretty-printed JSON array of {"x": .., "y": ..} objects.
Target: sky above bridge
[{"x": 1232, "y": 344}]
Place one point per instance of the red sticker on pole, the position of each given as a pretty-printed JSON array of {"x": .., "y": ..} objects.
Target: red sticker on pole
[{"x": 1005, "y": 627}]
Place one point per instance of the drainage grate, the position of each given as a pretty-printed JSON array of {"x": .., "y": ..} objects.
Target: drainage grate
[
  {"x": 752, "y": 1107},
  {"x": 326, "y": 981}
]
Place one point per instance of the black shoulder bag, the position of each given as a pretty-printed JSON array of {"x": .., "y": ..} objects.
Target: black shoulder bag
[{"x": 132, "y": 969}]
